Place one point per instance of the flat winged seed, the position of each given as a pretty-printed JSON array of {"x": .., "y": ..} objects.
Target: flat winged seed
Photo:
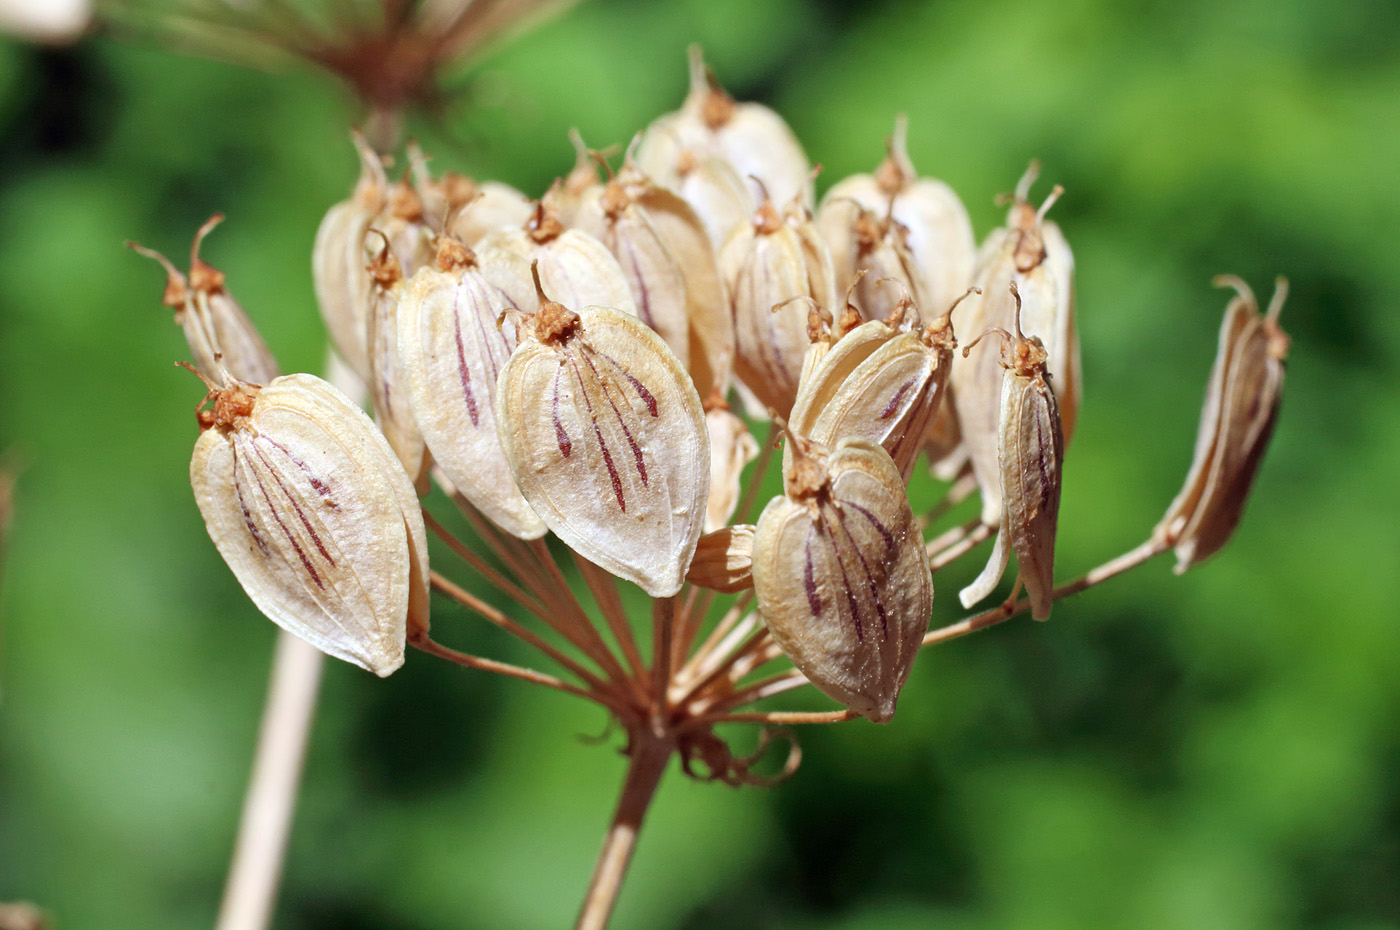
[
  {"x": 388, "y": 392},
  {"x": 1241, "y": 408},
  {"x": 751, "y": 138},
  {"x": 772, "y": 266},
  {"x": 873, "y": 242},
  {"x": 670, "y": 265},
  {"x": 313, "y": 513},
  {"x": 719, "y": 196},
  {"x": 338, "y": 262},
  {"x": 575, "y": 267},
  {"x": 841, "y": 577},
  {"x": 724, "y": 560},
  {"x": 454, "y": 342},
  {"x": 606, "y": 438},
  {"x": 880, "y": 384}
]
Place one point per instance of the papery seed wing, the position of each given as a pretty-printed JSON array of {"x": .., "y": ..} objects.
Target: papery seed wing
[
  {"x": 826, "y": 370},
  {"x": 846, "y": 591},
  {"x": 454, "y": 351},
  {"x": 497, "y": 206},
  {"x": 388, "y": 388},
  {"x": 605, "y": 435},
  {"x": 575, "y": 268},
  {"x": 342, "y": 283},
  {"x": 308, "y": 509},
  {"x": 711, "y": 326},
  {"x": 762, "y": 271}
]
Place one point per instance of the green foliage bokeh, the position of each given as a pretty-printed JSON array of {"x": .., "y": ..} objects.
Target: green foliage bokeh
[{"x": 1215, "y": 751}]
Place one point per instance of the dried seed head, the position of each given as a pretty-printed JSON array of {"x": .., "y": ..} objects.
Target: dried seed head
[
  {"x": 841, "y": 578},
  {"x": 769, "y": 266},
  {"x": 1241, "y": 408},
  {"x": 220, "y": 334},
  {"x": 1046, "y": 307},
  {"x": 313, "y": 513},
  {"x": 749, "y": 137},
  {"x": 1030, "y": 455},
  {"x": 606, "y": 438},
  {"x": 452, "y": 351},
  {"x": 338, "y": 262}
]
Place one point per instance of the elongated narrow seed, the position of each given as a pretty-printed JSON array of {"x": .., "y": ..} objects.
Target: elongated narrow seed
[
  {"x": 311, "y": 510},
  {"x": 606, "y": 438},
  {"x": 1030, "y": 456},
  {"x": 1237, "y": 419}
]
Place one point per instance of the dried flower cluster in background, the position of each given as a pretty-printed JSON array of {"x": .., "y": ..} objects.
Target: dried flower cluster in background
[{"x": 588, "y": 365}]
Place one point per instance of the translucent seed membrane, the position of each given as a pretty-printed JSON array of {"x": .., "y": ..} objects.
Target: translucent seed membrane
[
  {"x": 311, "y": 510},
  {"x": 606, "y": 438},
  {"x": 457, "y": 328},
  {"x": 841, "y": 577}
]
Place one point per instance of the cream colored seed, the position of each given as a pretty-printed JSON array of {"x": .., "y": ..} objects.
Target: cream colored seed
[
  {"x": 752, "y": 139},
  {"x": 388, "y": 391},
  {"x": 881, "y": 384},
  {"x": 724, "y": 560},
  {"x": 454, "y": 343},
  {"x": 840, "y": 575},
  {"x": 338, "y": 262},
  {"x": 313, "y": 513},
  {"x": 1030, "y": 456},
  {"x": 606, "y": 438},
  {"x": 1030, "y": 253}
]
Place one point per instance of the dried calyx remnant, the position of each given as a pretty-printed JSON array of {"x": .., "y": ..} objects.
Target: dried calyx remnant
[{"x": 573, "y": 365}]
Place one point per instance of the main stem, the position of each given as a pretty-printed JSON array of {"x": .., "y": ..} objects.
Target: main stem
[{"x": 648, "y": 755}]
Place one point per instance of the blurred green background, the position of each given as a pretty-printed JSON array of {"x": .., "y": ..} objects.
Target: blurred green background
[{"x": 1215, "y": 751}]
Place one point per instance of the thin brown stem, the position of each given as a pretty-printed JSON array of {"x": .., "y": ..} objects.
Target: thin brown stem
[
  {"x": 774, "y": 717},
  {"x": 732, "y": 616},
  {"x": 256, "y": 869},
  {"x": 648, "y": 756},
  {"x": 1116, "y": 566},
  {"x": 466, "y": 660},
  {"x": 497, "y": 618},
  {"x": 942, "y": 557},
  {"x": 563, "y": 596},
  {"x": 484, "y": 569},
  {"x": 603, "y": 586},
  {"x": 663, "y": 615}
]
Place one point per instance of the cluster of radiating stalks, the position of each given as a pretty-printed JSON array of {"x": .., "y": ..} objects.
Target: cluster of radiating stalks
[{"x": 567, "y": 365}]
